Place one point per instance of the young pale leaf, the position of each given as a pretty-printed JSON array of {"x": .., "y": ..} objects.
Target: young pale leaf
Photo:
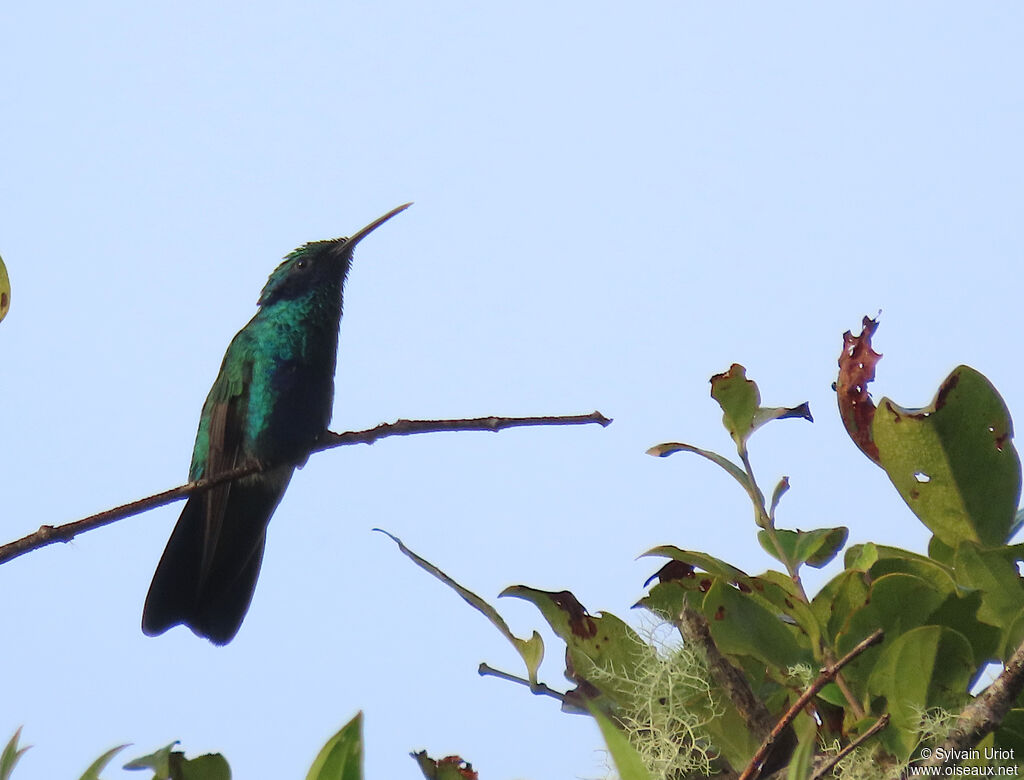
[
  {"x": 781, "y": 487},
  {"x": 342, "y": 757},
  {"x": 10, "y": 755},
  {"x": 742, "y": 413},
  {"x": 97, "y": 766},
  {"x": 861, "y": 556},
  {"x": 627, "y": 760},
  {"x": 954, "y": 462},
  {"x": 739, "y": 399},
  {"x": 815, "y": 548},
  {"x": 672, "y": 447},
  {"x": 158, "y": 761},
  {"x": 531, "y": 650}
]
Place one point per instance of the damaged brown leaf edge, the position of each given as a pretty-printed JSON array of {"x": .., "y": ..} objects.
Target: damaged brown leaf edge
[
  {"x": 856, "y": 371},
  {"x": 449, "y": 766}
]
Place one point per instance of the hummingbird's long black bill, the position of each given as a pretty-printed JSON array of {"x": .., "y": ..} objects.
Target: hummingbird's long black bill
[{"x": 348, "y": 244}]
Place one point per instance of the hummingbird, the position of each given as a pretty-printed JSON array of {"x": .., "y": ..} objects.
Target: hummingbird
[{"x": 270, "y": 404}]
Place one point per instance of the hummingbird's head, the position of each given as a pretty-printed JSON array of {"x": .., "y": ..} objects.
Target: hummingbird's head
[{"x": 317, "y": 264}]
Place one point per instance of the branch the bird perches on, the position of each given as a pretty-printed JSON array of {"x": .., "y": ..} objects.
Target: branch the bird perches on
[{"x": 50, "y": 534}]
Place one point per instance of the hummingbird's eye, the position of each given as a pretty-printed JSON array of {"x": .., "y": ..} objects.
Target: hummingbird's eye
[{"x": 300, "y": 264}]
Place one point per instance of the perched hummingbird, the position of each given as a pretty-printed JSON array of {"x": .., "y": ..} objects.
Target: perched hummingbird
[{"x": 270, "y": 404}]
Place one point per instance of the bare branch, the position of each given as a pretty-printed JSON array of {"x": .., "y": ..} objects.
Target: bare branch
[
  {"x": 983, "y": 715},
  {"x": 49, "y": 534},
  {"x": 826, "y": 675},
  {"x": 539, "y": 689},
  {"x": 694, "y": 629}
]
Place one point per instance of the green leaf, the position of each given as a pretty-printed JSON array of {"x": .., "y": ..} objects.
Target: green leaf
[
  {"x": 666, "y": 598},
  {"x": 896, "y": 603},
  {"x": 159, "y": 761},
  {"x": 861, "y": 556},
  {"x": 801, "y": 765},
  {"x": 781, "y": 487},
  {"x": 212, "y": 766},
  {"x": 97, "y": 766},
  {"x": 729, "y": 732},
  {"x": 918, "y": 565},
  {"x": 5, "y": 290},
  {"x": 780, "y": 591},
  {"x": 815, "y": 548},
  {"x": 530, "y": 650},
  {"x": 927, "y": 667},
  {"x": 627, "y": 761},
  {"x": 954, "y": 462},
  {"x": 708, "y": 563},
  {"x": 1010, "y": 734},
  {"x": 843, "y": 595},
  {"x": 991, "y": 572},
  {"x": 672, "y": 447},
  {"x": 960, "y": 612},
  {"x": 170, "y": 764},
  {"x": 1013, "y": 636},
  {"x": 10, "y": 755},
  {"x": 342, "y": 757},
  {"x": 742, "y": 625},
  {"x": 600, "y": 647},
  {"x": 740, "y": 399}
]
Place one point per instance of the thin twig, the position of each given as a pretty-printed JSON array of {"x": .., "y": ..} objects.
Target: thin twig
[
  {"x": 50, "y": 534},
  {"x": 538, "y": 688},
  {"x": 877, "y": 726},
  {"x": 792, "y": 568},
  {"x": 824, "y": 678}
]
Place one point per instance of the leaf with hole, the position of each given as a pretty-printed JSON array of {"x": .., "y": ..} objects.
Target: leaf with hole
[{"x": 953, "y": 461}]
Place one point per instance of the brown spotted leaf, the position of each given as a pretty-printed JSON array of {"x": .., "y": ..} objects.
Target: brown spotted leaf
[
  {"x": 953, "y": 461},
  {"x": 740, "y": 399},
  {"x": 600, "y": 648},
  {"x": 856, "y": 371},
  {"x": 447, "y": 768}
]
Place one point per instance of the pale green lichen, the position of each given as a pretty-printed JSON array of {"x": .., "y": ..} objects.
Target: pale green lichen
[
  {"x": 674, "y": 702},
  {"x": 864, "y": 763}
]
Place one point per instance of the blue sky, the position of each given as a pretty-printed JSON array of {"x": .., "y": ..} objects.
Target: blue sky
[{"x": 612, "y": 204}]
